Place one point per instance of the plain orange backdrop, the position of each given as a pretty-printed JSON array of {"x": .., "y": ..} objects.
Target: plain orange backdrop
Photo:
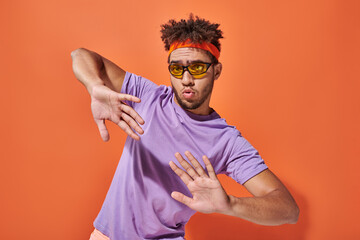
[{"x": 290, "y": 84}]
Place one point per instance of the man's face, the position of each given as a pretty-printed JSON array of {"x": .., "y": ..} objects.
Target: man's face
[{"x": 193, "y": 94}]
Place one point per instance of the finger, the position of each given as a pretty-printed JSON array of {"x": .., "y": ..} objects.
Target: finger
[
  {"x": 102, "y": 129},
  {"x": 198, "y": 168},
  {"x": 209, "y": 167},
  {"x": 131, "y": 122},
  {"x": 128, "y": 97},
  {"x": 130, "y": 111},
  {"x": 182, "y": 198},
  {"x": 188, "y": 168},
  {"x": 181, "y": 173},
  {"x": 123, "y": 125}
]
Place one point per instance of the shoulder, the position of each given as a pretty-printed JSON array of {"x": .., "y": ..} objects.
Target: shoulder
[{"x": 132, "y": 80}]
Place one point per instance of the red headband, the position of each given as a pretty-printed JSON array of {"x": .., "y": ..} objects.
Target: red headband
[{"x": 205, "y": 46}]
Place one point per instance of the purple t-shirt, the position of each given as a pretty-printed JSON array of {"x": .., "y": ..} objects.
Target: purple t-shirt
[{"x": 138, "y": 204}]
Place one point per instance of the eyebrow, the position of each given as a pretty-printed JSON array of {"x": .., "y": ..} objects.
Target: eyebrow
[{"x": 188, "y": 62}]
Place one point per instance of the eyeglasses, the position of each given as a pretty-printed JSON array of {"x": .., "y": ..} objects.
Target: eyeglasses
[{"x": 195, "y": 69}]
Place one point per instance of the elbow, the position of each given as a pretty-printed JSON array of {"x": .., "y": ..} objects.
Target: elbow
[
  {"x": 289, "y": 216},
  {"x": 78, "y": 52},
  {"x": 294, "y": 214}
]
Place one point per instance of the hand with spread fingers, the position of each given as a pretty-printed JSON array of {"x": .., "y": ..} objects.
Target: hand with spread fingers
[
  {"x": 208, "y": 196},
  {"x": 107, "y": 104}
]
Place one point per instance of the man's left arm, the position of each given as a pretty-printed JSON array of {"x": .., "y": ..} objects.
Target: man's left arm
[{"x": 272, "y": 203}]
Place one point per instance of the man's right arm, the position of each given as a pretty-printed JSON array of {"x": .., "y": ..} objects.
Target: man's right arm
[
  {"x": 91, "y": 69},
  {"x": 103, "y": 80}
]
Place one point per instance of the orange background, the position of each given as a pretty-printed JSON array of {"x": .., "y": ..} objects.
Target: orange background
[{"x": 290, "y": 84}]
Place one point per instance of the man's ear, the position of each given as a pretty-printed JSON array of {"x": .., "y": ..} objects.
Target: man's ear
[{"x": 217, "y": 70}]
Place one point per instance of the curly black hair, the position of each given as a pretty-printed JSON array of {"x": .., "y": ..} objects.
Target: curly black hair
[{"x": 196, "y": 29}]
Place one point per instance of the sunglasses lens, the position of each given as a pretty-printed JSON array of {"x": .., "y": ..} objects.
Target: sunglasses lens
[
  {"x": 176, "y": 70},
  {"x": 197, "y": 68}
]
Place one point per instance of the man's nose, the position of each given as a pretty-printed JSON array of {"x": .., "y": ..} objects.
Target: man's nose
[{"x": 187, "y": 79}]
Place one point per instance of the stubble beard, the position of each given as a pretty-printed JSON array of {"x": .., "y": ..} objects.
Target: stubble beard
[{"x": 196, "y": 104}]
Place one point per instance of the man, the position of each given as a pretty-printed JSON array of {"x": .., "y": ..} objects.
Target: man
[{"x": 150, "y": 196}]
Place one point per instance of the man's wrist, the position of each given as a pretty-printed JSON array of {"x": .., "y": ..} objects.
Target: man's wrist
[
  {"x": 229, "y": 209},
  {"x": 93, "y": 84}
]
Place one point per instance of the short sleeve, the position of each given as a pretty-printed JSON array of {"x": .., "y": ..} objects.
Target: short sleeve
[
  {"x": 245, "y": 161},
  {"x": 136, "y": 86}
]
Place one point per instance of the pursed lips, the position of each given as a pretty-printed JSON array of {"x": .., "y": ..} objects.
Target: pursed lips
[{"x": 188, "y": 93}]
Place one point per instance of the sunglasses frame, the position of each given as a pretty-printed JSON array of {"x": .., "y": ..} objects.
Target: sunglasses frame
[{"x": 186, "y": 68}]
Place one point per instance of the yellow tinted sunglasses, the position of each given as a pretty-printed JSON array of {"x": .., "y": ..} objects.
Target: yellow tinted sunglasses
[{"x": 194, "y": 69}]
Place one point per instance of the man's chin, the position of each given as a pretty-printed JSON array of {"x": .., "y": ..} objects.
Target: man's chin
[{"x": 188, "y": 105}]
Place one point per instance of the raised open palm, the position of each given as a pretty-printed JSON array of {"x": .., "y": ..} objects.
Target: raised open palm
[
  {"x": 208, "y": 194},
  {"x": 108, "y": 105}
]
